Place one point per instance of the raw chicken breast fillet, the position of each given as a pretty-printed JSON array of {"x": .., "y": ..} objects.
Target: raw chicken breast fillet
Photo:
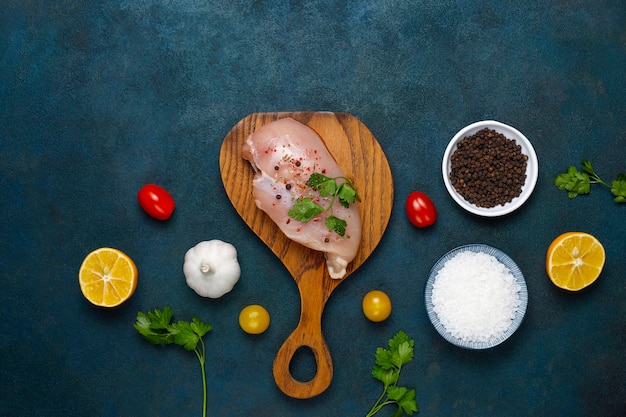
[{"x": 284, "y": 154}]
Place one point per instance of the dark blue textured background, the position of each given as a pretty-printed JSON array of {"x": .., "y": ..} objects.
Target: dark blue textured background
[{"x": 99, "y": 97}]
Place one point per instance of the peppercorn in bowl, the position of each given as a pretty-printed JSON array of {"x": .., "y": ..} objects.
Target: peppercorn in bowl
[{"x": 489, "y": 168}]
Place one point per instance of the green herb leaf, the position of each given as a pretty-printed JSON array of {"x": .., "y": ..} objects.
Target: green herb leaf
[
  {"x": 387, "y": 367},
  {"x": 383, "y": 358},
  {"x": 337, "y": 225},
  {"x": 618, "y": 188},
  {"x": 153, "y": 326},
  {"x": 346, "y": 194},
  {"x": 403, "y": 354},
  {"x": 199, "y": 327},
  {"x": 586, "y": 166},
  {"x": 595, "y": 178},
  {"x": 160, "y": 319},
  {"x": 183, "y": 335},
  {"x": 577, "y": 183},
  {"x": 400, "y": 338},
  {"x": 398, "y": 413},
  {"x": 143, "y": 323},
  {"x": 405, "y": 399},
  {"x": 386, "y": 376},
  {"x": 574, "y": 181},
  {"x": 156, "y": 328},
  {"x": 326, "y": 186},
  {"x": 305, "y": 209}
]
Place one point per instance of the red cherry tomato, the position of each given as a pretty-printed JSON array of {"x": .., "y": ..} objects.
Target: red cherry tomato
[
  {"x": 420, "y": 209},
  {"x": 155, "y": 201}
]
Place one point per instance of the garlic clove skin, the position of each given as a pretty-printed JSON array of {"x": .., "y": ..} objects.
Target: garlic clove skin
[{"x": 211, "y": 268}]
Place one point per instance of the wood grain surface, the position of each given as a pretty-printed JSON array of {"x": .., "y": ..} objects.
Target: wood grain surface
[{"x": 361, "y": 158}]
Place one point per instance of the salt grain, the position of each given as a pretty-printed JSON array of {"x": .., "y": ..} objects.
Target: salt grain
[{"x": 475, "y": 297}]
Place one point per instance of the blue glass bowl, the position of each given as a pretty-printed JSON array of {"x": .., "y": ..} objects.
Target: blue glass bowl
[{"x": 519, "y": 313}]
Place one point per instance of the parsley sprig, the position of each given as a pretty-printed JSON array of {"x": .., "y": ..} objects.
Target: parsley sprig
[
  {"x": 305, "y": 209},
  {"x": 387, "y": 367},
  {"x": 156, "y": 327},
  {"x": 577, "y": 182}
]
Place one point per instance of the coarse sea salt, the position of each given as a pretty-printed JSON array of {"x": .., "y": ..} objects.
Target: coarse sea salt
[{"x": 475, "y": 296}]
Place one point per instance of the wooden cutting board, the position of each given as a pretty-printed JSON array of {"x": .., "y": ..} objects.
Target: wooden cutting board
[{"x": 362, "y": 159}]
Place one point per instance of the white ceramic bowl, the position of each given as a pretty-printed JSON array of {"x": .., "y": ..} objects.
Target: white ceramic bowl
[
  {"x": 532, "y": 168},
  {"x": 504, "y": 259}
]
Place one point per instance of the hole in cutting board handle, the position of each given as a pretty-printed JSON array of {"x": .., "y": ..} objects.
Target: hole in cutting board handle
[
  {"x": 303, "y": 366},
  {"x": 303, "y": 346}
]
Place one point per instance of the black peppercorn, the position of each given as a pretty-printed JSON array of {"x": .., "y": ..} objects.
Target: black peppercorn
[{"x": 488, "y": 169}]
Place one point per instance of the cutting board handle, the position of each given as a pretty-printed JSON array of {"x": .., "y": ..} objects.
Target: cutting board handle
[{"x": 308, "y": 333}]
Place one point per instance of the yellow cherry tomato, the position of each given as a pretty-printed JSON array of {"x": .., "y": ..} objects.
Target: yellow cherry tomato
[
  {"x": 376, "y": 306},
  {"x": 254, "y": 319}
]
